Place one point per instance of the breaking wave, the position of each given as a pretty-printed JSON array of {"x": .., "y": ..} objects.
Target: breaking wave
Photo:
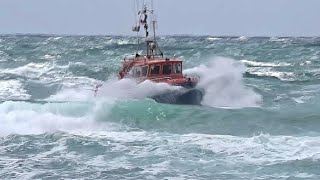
[
  {"x": 264, "y": 64},
  {"x": 222, "y": 80}
]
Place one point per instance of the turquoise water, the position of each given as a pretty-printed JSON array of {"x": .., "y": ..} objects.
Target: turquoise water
[{"x": 259, "y": 118}]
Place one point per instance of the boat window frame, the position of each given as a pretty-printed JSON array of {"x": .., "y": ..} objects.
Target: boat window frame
[
  {"x": 175, "y": 66},
  {"x": 138, "y": 70},
  {"x": 146, "y": 73},
  {"x": 135, "y": 71},
  {"x": 151, "y": 74},
  {"x": 167, "y": 64}
]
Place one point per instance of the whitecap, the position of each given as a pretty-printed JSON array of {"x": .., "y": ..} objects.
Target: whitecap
[
  {"x": 243, "y": 38},
  {"x": 48, "y": 57},
  {"x": 57, "y": 38},
  {"x": 213, "y": 38},
  {"x": 268, "y": 72},
  {"x": 265, "y": 64},
  {"x": 260, "y": 149},
  {"x": 277, "y": 39}
]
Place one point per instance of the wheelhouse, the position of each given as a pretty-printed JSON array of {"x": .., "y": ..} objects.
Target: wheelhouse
[
  {"x": 165, "y": 68},
  {"x": 154, "y": 69}
]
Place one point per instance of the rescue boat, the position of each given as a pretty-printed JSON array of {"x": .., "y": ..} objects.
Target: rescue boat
[{"x": 151, "y": 64}]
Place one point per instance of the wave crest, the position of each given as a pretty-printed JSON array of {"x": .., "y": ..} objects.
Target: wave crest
[{"x": 222, "y": 80}]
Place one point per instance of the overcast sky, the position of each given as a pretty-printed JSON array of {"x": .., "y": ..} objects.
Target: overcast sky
[{"x": 200, "y": 17}]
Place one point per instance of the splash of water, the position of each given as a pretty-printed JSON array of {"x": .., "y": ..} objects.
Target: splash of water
[
  {"x": 128, "y": 88},
  {"x": 114, "y": 89},
  {"x": 30, "y": 118},
  {"x": 222, "y": 80}
]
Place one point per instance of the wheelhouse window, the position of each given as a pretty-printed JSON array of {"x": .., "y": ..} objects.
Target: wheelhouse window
[
  {"x": 135, "y": 72},
  {"x": 155, "y": 69},
  {"x": 144, "y": 70},
  {"x": 138, "y": 72},
  {"x": 166, "y": 69},
  {"x": 177, "y": 68}
]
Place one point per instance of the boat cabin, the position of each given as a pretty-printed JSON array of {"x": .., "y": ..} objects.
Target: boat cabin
[{"x": 153, "y": 69}]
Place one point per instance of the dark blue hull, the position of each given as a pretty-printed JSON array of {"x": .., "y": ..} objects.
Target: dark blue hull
[{"x": 188, "y": 97}]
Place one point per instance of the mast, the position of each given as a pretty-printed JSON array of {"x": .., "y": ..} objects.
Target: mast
[{"x": 152, "y": 48}]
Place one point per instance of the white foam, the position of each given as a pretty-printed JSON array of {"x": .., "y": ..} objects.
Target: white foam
[
  {"x": 28, "y": 118},
  {"x": 128, "y": 88},
  {"x": 265, "y": 64},
  {"x": 111, "y": 90},
  {"x": 303, "y": 175},
  {"x": 48, "y": 57},
  {"x": 31, "y": 122},
  {"x": 36, "y": 70},
  {"x": 57, "y": 38},
  {"x": 277, "y": 39},
  {"x": 222, "y": 80},
  {"x": 261, "y": 149},
  {"x": 301, "y": 99},
  {"x": 73, "y": 95},
  {"x": 75, "y": 89},
  {"x": 213, "y": 38},
  {"x": 243, "y": 38},
  {"x": 12, "y": 89},
  {"x": 267, "y": 71},
  {"x": 118, "y": 41}
]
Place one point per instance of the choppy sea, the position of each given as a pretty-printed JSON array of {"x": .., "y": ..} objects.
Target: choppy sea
[{"x": 259, "y": 119}]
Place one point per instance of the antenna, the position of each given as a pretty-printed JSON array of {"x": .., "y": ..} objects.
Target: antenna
[{"x": 144, "y": 13}]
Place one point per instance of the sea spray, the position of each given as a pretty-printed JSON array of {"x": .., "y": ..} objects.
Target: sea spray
[
  {"x": 222, "y": 80},
  {"x": 128, "y": 88},
  {"x": 75, "y": 94},
  {"x": 114, "y": 89}
]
